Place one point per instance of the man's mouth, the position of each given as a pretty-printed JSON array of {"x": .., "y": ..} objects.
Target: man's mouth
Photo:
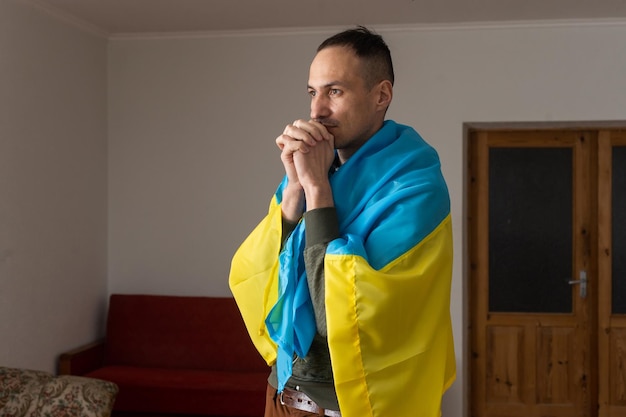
[{"x": 328, "y": 122}]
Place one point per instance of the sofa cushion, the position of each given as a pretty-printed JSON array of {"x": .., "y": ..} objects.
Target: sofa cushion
[
  {"x": 179, "y": 333},
  {"x": 154, "y": 390}
]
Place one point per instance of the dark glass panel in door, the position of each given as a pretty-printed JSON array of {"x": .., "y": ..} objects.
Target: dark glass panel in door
[{"x": 530, "y": 230}]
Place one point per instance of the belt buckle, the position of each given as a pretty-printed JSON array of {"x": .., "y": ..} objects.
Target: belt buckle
[{"x": 281, "y": 398}]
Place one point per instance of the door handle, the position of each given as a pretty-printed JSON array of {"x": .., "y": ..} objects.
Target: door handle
[{"x": 583, "y": 283}]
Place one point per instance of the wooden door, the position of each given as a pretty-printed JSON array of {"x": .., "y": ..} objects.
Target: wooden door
[
  {"x": 612, "y": 273},
  {"x": 532, "y": 204}
]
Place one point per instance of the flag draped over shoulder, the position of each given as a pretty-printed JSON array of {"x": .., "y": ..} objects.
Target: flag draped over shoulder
[{"x": 387, "y": 281}]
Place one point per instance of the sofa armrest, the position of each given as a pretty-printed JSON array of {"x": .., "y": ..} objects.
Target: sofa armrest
[{"x": 83, "y": 359}]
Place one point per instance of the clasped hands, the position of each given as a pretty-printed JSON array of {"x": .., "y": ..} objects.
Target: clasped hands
[{"x": 307, "y": 152}]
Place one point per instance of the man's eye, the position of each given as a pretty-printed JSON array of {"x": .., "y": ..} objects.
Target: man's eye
[
  {"x": 334, "y": 92},
  {"x": 312, "y": 93}
]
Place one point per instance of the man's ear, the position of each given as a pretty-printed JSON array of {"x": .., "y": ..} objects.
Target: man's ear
[{"x": 385, "y": 94}]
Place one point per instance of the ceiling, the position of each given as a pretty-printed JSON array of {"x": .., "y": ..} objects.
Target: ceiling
[{"x": 115, "y": 17}]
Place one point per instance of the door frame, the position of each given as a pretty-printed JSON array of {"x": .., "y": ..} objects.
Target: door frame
[
  {"x": 466, "y": 272},
  {"x": 527, "y": 335}
]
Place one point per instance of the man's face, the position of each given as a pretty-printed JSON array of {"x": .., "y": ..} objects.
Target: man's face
[{"x": 341, "y": 100}]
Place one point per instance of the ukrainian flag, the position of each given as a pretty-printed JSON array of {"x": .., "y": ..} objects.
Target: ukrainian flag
[{"x": 387, "y": 280}]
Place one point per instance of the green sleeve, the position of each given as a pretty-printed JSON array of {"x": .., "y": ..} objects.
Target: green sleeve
[
  {"x": 322, "y": 226},
  {"x": 286, "y": 231}
]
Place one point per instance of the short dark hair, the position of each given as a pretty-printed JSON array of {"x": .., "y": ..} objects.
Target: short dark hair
[{"x": 368, "y": 46}]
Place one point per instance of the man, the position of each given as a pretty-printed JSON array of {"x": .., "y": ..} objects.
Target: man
[{"x": 345, "y": 285}]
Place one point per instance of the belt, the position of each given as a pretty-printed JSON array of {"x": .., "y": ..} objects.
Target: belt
[{"x": 300, "y": 401}]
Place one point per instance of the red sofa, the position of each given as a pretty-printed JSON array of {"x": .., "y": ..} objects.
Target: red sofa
[{"x": 175, "y": 356}]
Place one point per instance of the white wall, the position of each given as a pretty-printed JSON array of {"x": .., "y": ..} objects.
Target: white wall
[
  {"x": 192, "y": 160},
  {"x": 53, "y": 213}
]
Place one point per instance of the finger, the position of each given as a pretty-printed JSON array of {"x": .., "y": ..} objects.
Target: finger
[
  {"x": 316, "y": 129},
  {"x": 322, "y": 129},
  {"x": 280, "y": 142},
  {"x": 307, "y": 131},
  {"x": 288, "y": 144},
  {"x": 299, "y": 134}
]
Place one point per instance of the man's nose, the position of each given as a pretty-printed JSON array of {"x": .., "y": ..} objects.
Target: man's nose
[{"x": 319, "y": 107}]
